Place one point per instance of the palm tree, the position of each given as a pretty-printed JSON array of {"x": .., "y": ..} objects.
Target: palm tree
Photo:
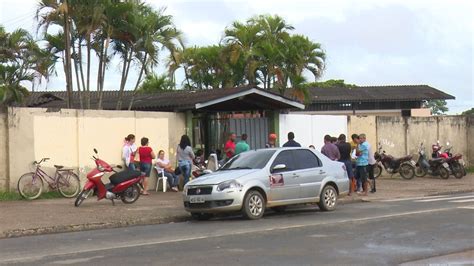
[
  {"x": 241, "y": 39},
  {"x": 302, "y": 54},
  {"x": 11, "y": 90},
  {"x": 56, "y": 12},
  {"x": 157, "y": 32},
  {"x": 21, "y": 61}
]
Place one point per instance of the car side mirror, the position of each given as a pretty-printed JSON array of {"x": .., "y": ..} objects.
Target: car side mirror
[{"x": 278, "y": 167}]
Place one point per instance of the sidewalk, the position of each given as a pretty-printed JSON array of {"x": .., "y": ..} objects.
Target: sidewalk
[{"x": 20, "y": 218}]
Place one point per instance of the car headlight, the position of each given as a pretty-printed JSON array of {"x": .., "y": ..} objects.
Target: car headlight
[{"x": 228, "y": 185}]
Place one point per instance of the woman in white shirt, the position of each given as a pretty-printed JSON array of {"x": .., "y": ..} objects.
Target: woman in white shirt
[
  {"x": 128, "y": 152},
  {"x": 163, "y": 165}
]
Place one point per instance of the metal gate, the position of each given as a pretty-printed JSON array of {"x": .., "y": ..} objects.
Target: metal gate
[{"x": 256, "y": 129}]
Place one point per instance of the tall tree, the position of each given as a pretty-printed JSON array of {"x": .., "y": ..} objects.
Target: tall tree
[
  {"x": 438, "y": 107},
  {"x": 56, "y": 12},
  {"x": 22, "y": 61}
]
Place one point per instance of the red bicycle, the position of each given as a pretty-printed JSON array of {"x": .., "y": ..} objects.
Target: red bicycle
[{"x": 65, "y": 181}]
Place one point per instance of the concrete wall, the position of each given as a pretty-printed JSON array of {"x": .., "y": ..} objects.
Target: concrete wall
[
  {"x": 363, "y": 124},
  {"x": 310, "y": 129},
  {"x": 69, "y": 136},
  {"x": 400, "y": 136},
  {"x": 3, "y": 151}
]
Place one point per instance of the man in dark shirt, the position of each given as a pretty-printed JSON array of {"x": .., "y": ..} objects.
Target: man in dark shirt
[
  {"x": 345, "y": 151},
  {"x": 329, "y": 149},
  {"x": 291, "y": 141}
]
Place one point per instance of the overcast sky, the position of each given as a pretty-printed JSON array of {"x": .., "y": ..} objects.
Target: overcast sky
[{"x": 373, "y": 42}]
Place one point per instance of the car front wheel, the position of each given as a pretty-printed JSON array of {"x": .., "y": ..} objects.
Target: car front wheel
[
  {"x": 254, "y": 205},
  {"x": 328, "y": 198}
]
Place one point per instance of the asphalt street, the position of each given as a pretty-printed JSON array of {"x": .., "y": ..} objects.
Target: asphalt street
[{"x": 387, "y": 232}]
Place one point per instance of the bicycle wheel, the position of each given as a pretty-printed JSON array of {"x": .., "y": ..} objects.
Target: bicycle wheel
[
  {"x": 30, "y": 186},
  {"x": 68, "y": 184}
]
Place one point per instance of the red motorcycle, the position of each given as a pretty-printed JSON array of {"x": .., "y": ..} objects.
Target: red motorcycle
[
  {"x": 405, "y": 165},
  {"x": 455, "y": 162},
  {"x": 124, "y": 185}
]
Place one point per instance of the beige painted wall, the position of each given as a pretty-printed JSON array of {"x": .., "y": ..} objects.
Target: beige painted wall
[
  {"x": 363, "y": 124},
  {"x": 69, "y": 136},
  {"x": 3, "y": 151}
]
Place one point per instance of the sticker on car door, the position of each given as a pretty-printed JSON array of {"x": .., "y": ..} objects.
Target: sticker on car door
[{"x": 276, "y": 180}]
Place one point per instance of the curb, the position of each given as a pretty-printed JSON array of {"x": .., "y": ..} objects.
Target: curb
[{"x": 90, "y": 226}]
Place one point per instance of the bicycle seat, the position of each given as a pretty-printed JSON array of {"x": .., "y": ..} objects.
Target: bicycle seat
[{"x": 59, "y": 166}]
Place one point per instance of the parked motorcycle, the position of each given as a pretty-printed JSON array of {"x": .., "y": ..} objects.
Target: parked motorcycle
[
  {"x": 206, "y": 167},
  {"x": 455, "y": 162},
  {"x": 436, "y": 166},
  {"x": 124, "y": 185},
  {"x": 405, "y": 165}
]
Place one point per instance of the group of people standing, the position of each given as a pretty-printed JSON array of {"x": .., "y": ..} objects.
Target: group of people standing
[
  {"x": 146, "y": 155},
  {"x": 358, "y": 158}
]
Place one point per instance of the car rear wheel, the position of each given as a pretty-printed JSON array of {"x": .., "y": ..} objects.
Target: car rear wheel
[
  {"x": 254, "y": 205},
  {"x": 328, "y": 198}
]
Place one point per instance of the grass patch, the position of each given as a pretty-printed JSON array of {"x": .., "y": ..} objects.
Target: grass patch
[
  {"x": 470, "y": 169},
  {"x": 11, "y": 196}
]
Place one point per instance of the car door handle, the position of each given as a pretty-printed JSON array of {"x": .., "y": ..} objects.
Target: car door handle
[
  {"x": 322, "y": 172},
  {"x": 295, "y": 176}
]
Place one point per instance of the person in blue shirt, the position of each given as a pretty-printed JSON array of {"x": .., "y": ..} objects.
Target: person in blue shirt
[{"x": 362, "y": 162}]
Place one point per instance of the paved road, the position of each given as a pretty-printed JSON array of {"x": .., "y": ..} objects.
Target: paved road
[{"x": 374, "y": 233}]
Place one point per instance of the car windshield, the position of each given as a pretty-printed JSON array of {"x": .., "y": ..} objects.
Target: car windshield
[{"x": 249, "y": 160}]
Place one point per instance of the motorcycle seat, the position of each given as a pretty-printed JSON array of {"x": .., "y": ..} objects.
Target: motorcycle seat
[
  {"x": 436, "y": 159},
  {"x": 58, "y": 166},
  {"x": 123, "y": 176}
]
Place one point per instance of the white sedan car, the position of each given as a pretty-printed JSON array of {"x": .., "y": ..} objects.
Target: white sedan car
[{"x": 267, "y": 178}]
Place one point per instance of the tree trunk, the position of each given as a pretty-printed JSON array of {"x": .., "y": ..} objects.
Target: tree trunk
[
  {"x": 102, "y": 76},
  {"x": 99, "y": 75},
  {"x": 67, "y": 34},
  {"x": 88, "y": 93},
  {"x": 76, "y": 70},
  {"x": 81, "y": 71},
  {"x": 135, "y": 90},
  {"x": 123, "y": 81}
]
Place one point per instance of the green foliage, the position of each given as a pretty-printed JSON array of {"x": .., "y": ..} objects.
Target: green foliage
[
  {"x": 331, "y": 83},
  {"x": 438, "y": 107},
  {"x": 154, "y": 83},
  {"x": 259, "y": 52},
  {"x": 468, "y": 112},
  {"x": 22, "y": 62}
]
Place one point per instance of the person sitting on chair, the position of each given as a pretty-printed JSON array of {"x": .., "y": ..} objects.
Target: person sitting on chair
[{"x": 164, "y": 166}]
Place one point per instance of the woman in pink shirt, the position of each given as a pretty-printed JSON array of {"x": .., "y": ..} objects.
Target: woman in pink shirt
[{"x": 146, "y": 157}]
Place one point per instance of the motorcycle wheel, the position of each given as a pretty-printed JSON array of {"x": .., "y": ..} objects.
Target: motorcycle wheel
[
  {"x": 420, "y": 171},
  {"x": 377, "y": 170},
  {"x": 131, "y": 194},
  {"x": 443, "y": 172},
  {"x": 457, "y": 170},
  {"x": 407, "y": 171},
  {"x": 81, "y": 197}
]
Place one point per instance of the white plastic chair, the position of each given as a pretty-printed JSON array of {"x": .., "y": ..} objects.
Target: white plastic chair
[
  {"x": 212, "y": 163},
  {"x": 160, "y": 174}
]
